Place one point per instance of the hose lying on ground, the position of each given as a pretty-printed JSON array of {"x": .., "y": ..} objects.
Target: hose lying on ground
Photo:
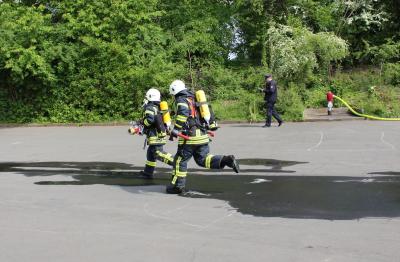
[{"x": 364, "y": 115}]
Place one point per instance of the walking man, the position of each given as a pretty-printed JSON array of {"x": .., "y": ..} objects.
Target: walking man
[{"x": 271, "y": 94}]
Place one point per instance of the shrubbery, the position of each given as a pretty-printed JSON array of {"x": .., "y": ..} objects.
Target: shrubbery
[{"x": 92, "y": 61}]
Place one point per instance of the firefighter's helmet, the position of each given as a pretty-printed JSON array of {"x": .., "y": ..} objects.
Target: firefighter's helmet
[
  {"x": 176, "y": 87},
  {"x": 153, "y": 95}
]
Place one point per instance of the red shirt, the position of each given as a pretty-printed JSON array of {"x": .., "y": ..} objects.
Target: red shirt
[{"x": 329, "y": 96}]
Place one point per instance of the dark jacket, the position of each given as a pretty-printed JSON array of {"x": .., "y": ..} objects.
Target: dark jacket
[
  {"x": 151, "y": 120},
  {"x": 185, "y": 122},
  {"x": 271, "y": 92}
]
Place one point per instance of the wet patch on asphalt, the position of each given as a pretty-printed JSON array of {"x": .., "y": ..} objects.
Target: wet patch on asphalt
[{"x": 280, "y": 195}]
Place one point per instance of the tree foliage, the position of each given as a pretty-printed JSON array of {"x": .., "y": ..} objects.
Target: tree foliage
[{"x": 78, "y": 61}]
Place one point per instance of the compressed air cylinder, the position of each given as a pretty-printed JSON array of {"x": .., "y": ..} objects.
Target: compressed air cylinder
[
  {"x": 204, "y": 110},
  {"x": 165, "y": 113}
]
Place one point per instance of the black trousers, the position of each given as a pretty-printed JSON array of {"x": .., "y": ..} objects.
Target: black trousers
[
  {"x": 202, "y": 156},
  {"x": 154, "y": 153},
  {"x": 271, "y": 112}
]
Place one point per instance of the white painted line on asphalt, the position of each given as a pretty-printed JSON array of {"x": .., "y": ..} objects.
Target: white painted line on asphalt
[
  {"x": 173, "y": 210},
  {"x": 199, "y": 227},
  {"x": 366, "y": 180},
  {"x": 216, "y": 221},
  {"x": 145, "y": 208},
  {"x": 319, "y": 143},
  {"x": 387, "y": 143},
  {"x": 259, "y": 180}
]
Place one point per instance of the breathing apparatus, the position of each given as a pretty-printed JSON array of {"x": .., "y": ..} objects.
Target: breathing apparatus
[
  {"x": 204, "y": 109},
  {"x": 166, "y": 116}
]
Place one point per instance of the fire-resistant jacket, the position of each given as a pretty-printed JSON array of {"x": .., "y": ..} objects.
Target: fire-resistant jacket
[
  {"x": 154, "y": 136},
  {"x": 187, "y": 120}
]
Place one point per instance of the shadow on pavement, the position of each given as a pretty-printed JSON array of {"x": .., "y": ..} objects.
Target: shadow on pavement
[{"x": 258, "y": 194}]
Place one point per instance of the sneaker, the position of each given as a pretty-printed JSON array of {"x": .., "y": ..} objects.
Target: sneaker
[
  {"x": 144, "y": 175},
  {"x": 280, "y": 123},
  {"x": 266, "y": 125}
]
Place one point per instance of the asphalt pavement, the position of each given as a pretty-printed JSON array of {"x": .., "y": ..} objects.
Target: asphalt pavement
[{"x": 319, "y": 191}]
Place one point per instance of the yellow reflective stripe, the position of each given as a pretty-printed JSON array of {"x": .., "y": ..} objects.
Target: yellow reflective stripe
[
  {"x": 180, "y": 174},
  {"x": 159, "y": 154},
  {"x": 149, "y": 112},
  {"x": 174, "y": 179},
  {"x": 178, "y": 161},
  {"x": 177, "y": 125},
  {"x": 181, "y": 118},
  {"x": 160, "y": 142},
  {"x": 168, "y": 157},
  {"x": 208, "y": 160},
  {"x": 151, "y": 163},
  {"x": 198, "y": 132},
  {"x": 156, "y": 140},
  {"x": 190, "y": 142},
  {"x": 182, "y": 104},
  {"x": 195, "y": 138},
  {"x": 153, "y": 138},
  {"x": 176, "y": 173},
  {"x": 161, "y": 134},
  {"x": 146, "y": 123}
]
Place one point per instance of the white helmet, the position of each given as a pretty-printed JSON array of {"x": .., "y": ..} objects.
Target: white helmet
[
  {"x": 176, "y": 87},
  {"x": 153, "y": 95}
]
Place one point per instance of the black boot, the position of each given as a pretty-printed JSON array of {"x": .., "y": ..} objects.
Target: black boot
[
  {"x": 178, "y": 188},
  {"x": 144, "y": 175},
  {"x": 172, "y": 189},
  {"x": 267, "y": 123},
  {"x": 231, "y": 162}
]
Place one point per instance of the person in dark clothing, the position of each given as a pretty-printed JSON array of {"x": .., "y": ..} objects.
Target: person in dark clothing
[
  {"x": 270, "y": 97},
  {"x": 155, "y": 133},
  {"x": 188, "y": 122}
]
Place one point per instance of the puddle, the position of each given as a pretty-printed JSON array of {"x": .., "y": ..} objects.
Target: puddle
[{"x": 254, "y": 192}]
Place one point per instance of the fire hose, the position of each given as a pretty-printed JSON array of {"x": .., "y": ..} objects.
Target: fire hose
[{"x": 364, "y": 115}]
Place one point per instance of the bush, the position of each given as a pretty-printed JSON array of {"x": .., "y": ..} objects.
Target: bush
[
  {"x": 290, "y": 104},
  {"x": 391, "y": 73},
  {"x": 380, "y": 101},
  {"x": 249, "y": 107},
  {"x": 315, "y": 97}
]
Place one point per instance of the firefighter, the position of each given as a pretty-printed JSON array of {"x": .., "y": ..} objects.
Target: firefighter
[
  {"x": 155, "y": 131},
  {"x": 188, "y": 122}
]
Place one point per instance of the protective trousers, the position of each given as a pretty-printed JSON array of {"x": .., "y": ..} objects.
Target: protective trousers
[
  {"x": 154, "y": 153},
  {"x": 203, "y": 158},
  {"x": 271, "y": 112}
]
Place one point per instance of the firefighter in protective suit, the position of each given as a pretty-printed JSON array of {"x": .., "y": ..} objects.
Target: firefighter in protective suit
[
  {"x": 188, "y": 122},
  {"x": 155, "y": 131}
]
